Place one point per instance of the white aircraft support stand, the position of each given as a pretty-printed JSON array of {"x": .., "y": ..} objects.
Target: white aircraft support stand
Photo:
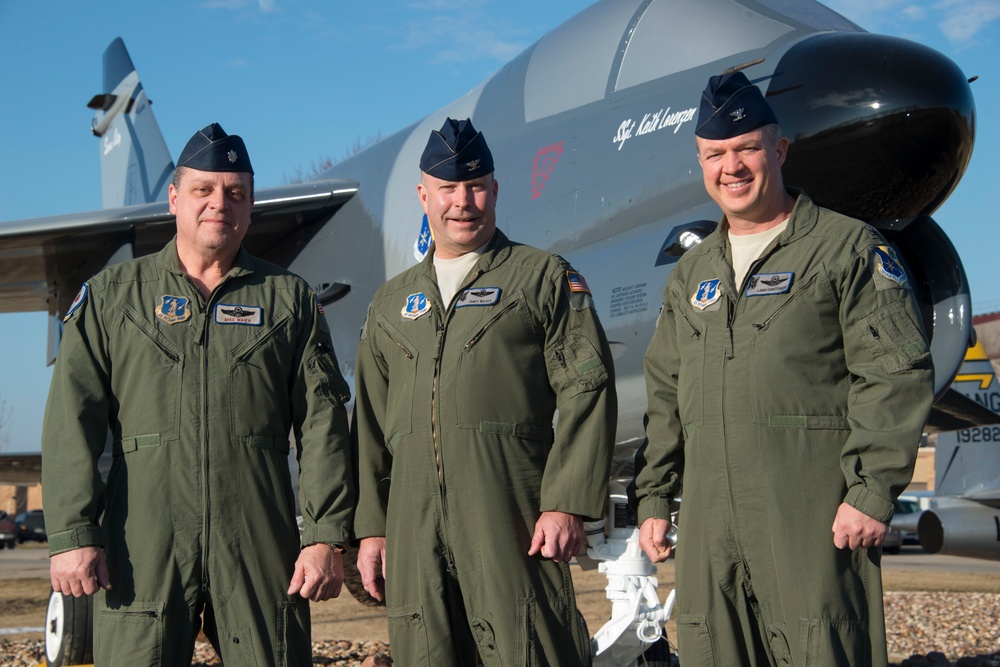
[{"x": 637, "y": 617}]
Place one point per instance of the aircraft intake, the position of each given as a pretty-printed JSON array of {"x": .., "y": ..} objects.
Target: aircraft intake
[{"x": 966, "y": 529}]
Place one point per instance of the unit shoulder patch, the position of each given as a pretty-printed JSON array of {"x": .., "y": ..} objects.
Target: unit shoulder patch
[
  {"x": 889, "y": 272},
  {"x": 78, "y": 300}
]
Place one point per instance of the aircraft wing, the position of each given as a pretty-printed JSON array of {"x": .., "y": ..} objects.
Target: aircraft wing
[{"x": 43, "y": 261}]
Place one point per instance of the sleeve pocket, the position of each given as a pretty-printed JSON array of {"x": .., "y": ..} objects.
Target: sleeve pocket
[
  {"x": 894, "y": 338},
  {"x": 575, "y": 365},
  {"x": 329, "y": 381}
]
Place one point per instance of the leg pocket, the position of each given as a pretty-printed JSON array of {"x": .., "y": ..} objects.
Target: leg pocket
[
  {"x": 129, "y": 634},
  {"x": 694, "y": 640},
  {"x": 408, "y": 636},
  {"x": 828, "y": 641},
  {"x": 236, "y": 646}
]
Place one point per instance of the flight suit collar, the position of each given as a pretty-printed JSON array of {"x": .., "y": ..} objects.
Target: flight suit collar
[
  {"x": 243, "y": 264},
  {"x": 801, "y": 221},
  {"x": 496, "y": 253}
]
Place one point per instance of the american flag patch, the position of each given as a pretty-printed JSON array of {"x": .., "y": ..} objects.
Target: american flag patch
[
  {"x": 577, "y": 283},
  {"x": 319, "y": 306}
]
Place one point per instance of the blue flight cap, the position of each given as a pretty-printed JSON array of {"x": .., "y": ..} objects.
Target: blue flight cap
[
  {"x": 211, "y": 149},
  {"x": 731, "y": 106},
  {"x": 457, "y": 152}
]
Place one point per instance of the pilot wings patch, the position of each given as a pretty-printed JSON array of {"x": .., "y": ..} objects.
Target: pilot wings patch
[
  {"x": 765, "y": 284},
  {"x": 226, "y": 313}
]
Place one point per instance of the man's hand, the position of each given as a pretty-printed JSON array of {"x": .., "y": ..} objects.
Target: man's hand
[
  {"x": 653, "y": 539},
  {"x": 853, "y": 529},
  {"x": 319, "y": 573},
  {"x": 558, "y": 536},
  {"x": 79, "y": 572},
  {"x": 371, "y": 566}
]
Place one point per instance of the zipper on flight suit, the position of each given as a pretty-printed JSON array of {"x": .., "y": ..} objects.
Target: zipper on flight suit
[
  {"x": 439, "y": 353},
  {"x": 158, "y": 343},
  {"x": 761, "y": 326},
  {"x": 493, "y": 320},
  {"x": 205, "y": 499},
  {"x": 206, "y": 463},
  {"x": 695, "y": 332},
  {"x": 406, "y": 352},
  {"x": 438, "y": 459}
]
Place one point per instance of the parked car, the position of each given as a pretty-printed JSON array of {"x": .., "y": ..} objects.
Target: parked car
[
  {"x": 31, "y": 526},
  {"x": 8, "y": 531},
  {"x": 893, "y": 541},
  {"x": 906, "y": 518},
  {"x": 903, "y": 527}
]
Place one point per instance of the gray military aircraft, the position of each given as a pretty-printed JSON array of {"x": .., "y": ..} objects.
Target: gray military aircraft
[
  {"x": 592, "y": 134},
  {"x": 964, "y": 514}
]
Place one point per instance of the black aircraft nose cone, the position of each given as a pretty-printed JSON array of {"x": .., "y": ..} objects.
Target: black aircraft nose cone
[{"x": 881, "y": 128}]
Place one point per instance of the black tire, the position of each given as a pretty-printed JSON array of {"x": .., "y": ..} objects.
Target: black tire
[
  {"x": 12, "y": 544},
  {"x": 69, "y": 630}
]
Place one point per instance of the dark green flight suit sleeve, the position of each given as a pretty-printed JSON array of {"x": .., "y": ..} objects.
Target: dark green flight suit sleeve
[
  {"x": 373, "y": 462},
  {"x": 581, "y": 373},
  {"x": 659, "y": 470},
  {"x": 75, "y": 429},
  {"x": 891, "y": 391},
  {"x": 326, "y": 486}
]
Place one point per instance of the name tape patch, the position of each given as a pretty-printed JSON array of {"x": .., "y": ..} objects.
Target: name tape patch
[
  {"x": 765, "y": 284},
  {"x": 227, "y": 313},
  {"x": 478, "y": 296}
]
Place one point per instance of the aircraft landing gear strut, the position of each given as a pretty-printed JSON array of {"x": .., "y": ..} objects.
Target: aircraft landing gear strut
[{"x": 634, "y": 635}]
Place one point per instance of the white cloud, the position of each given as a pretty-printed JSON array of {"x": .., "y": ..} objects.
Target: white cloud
[
  {"x": 962, "y": 20},
  {"x": 457, "y": 30}
]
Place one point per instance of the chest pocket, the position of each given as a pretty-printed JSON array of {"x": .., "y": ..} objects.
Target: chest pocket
[
  {"x": 260, "y": 380},
  {"x": 796, "y": 355},
  {"x": 691, "y": 331},
  {"x": 400, "y": 356},
  {"x": 501, "y": 376},
  {"x": 149, "y": 375}
]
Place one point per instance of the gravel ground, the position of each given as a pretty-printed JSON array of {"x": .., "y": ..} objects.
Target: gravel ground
[{"x": 924, "y": 629}]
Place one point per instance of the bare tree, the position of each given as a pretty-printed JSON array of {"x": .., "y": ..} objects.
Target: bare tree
[{"x": 317, "y": 168}]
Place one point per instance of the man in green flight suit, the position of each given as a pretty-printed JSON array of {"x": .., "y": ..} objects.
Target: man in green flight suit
[
  {"x": 201, "y": 360},
  {"x": 469, "y": 504},
  {"x": 788, "y": 381}
]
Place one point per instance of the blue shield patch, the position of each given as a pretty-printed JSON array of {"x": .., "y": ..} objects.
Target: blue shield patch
[
  {"x": 173, "y": 309},
  {"x": 887, "y": 265},
  {"x": 416, "y": 305},
  {"x": 423, "y": 242},
  {"x": 708, "y": 292}
]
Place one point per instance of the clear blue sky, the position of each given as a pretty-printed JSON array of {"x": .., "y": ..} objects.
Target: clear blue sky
[{"x": 303, "y": 80}]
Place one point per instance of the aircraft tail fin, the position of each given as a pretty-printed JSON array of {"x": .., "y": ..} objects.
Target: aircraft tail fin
[
  {"x": 967, "y": 461},
  {"x": 136, "y": 166}
]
